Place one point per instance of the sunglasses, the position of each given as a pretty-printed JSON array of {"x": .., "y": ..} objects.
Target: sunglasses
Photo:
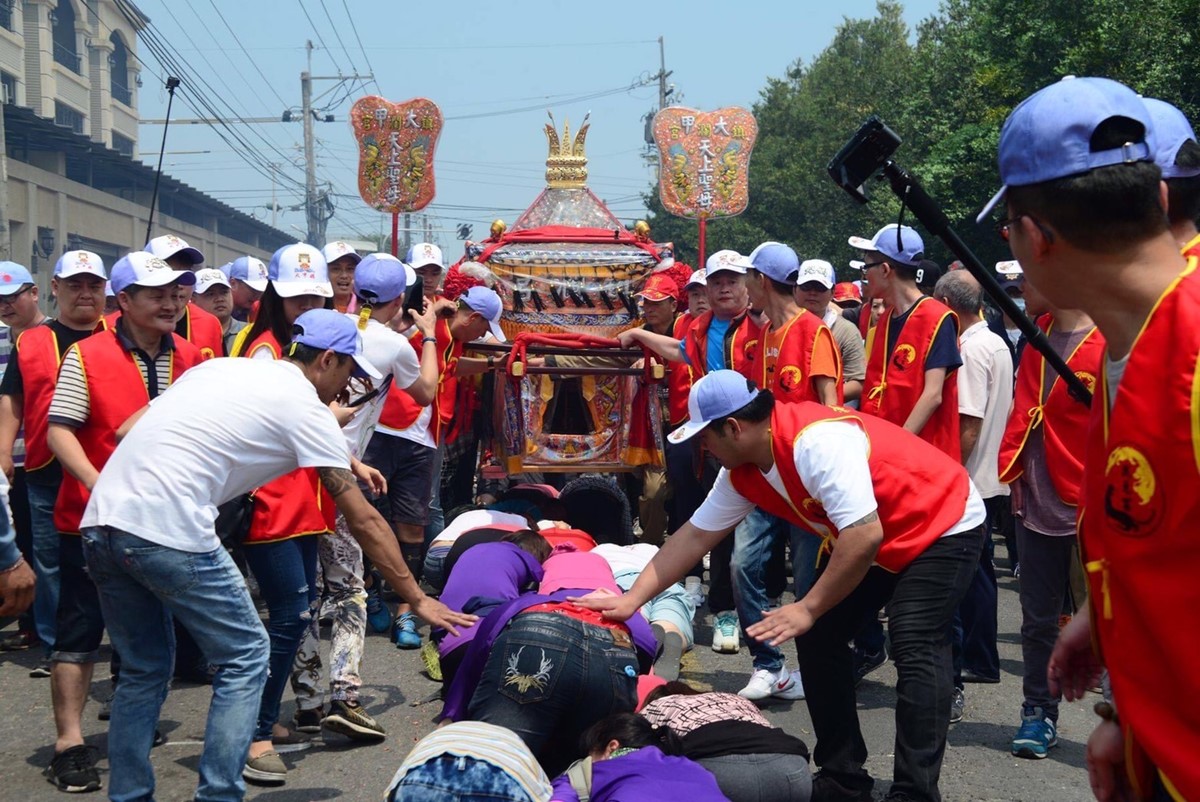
[{"x": 1003, "y": 226}]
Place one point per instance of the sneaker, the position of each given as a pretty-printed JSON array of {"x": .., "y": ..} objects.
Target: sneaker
[
  {"x": 706, "y": 561},
  {"x": 308, "y": 720},
  {"x": 41, "y": 670},
  {"x": 18, "y": 642},
  {"x": 1037, "y": 736},
  {"x": 291, "y": 741},
  {"x": 351, "y": 720},
  {"x": 691, "y": 586},
  {"x": 1016, "y": 571},
  {"x": 432, "y": 661},
  {"x": 379, "y": 617},
  {"x": 404, "y": 632},
  {"x": 826, "y": 788},
  {"x": 74, "y": 770},
  {"x": 780, "y": 684},
  {"x": 266, "y": 769},
  {"x": 725, "y": 633},
  {"x": 958, "y": 703},
  {"x": 974, "y": 676},
  {"x": 866, "y": 662}
]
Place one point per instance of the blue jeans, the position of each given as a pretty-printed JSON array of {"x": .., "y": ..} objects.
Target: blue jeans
[
  {"x": 45, "y": 560},
  {"x": 450, "y": 778},
  {"x": 754, "y": 543},
  {"x": 549, "y": 677},
  {"x": 286, "y": 571},
  {"x": 141, "y": 586},
  {"x": 437, "y": 518}
]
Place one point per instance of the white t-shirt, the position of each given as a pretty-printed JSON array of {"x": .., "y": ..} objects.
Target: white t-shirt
[
  {"x": 478, "y": 519},
  {"x": 224, "y": 428},
  {"x": 985, "y": 391},
  {"x": 392, "y": 355},
  {"x": 831, "y": 458},
  {"x": 626, "y": 558}
]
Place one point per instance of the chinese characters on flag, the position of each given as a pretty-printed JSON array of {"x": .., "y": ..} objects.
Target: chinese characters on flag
[
  {"x": 395, "y": 152},
  {"x": 704, "y": 159}
]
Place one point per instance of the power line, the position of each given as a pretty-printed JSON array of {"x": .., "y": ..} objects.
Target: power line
[
  {"x": 363, "y": 50},
  {"x": 337, "y": 34},
  {"x": 249, "y": 54},
  {"x": 320, "y": 38}
]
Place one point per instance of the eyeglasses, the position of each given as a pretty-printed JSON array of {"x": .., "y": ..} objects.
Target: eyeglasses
[
  {"x": 1003, "y": 226},
  {"x": 11, "y": 299},
  {"x": 868, "y": 265}
]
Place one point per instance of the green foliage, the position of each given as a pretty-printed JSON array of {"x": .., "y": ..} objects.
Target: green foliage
[{"x": 946, "y": 91}]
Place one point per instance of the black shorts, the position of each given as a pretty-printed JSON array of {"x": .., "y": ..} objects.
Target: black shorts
[
  {"x": 408, "y": 469},
  {"x": 80, "y": 623}
]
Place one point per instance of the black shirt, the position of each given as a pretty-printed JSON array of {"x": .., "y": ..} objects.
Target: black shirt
[{"x": 13, "y": 384}]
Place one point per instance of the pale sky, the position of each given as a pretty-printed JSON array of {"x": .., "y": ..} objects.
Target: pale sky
[{"x": 494, "y": 69}]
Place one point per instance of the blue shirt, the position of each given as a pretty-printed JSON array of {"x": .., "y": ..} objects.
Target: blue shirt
[{"x": 715, "y": 354}]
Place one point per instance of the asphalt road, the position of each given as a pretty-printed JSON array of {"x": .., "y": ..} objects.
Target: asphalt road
[{"x": 978, "y": 765}]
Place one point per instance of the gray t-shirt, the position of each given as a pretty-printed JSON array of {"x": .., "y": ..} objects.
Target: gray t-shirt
[{"x": 1040, "y": 508}]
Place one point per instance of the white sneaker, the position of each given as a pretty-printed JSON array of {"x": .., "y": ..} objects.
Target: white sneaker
[
  {"x": 725, "y": 633},
  {"x": 691, "y": 586},
  {"x": 781, "y": 684}
]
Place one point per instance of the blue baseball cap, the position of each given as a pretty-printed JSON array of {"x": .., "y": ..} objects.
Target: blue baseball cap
[
  {"x": 776, "y": 261},
  {"x": 146, "y": 270},
  {"x": 330, "y": 330},
  {"x": 250, "y": 270},
  {"x": 716, "y": 395},
  {"x": 906, "y": 247},
  {"x": 1048, "y": 135},
  {"x": 379, "y": 278},
  {"x": 1171, "y": 131},
  {"x": 487, "y": 303},
  {"x": 13, "y": 277}
]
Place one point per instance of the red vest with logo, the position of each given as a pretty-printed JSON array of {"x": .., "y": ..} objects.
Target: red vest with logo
[
  {"x": 741, "y": 345},
  {"x": 920, "y": 491},
  {"x": 1138, "y": 537},
  {"x": 39, "y": 358},
  {"x": 294, "y": 504},
  {"x": 896, "y": 379},
  {"x": 400, "y": 410},
  {"x": 116, "y": 390},
  {"x": 679, "y": 377},
  {"x": 1063, "y": 420},
  {"x": 788, "y": 373},
  {"x": 203, "y": 330}
]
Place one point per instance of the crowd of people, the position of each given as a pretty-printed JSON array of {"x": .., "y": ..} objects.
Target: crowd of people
[{"x": 869, "y": 440}]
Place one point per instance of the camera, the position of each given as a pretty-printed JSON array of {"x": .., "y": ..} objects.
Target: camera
[{"x": 863, "y": 156}]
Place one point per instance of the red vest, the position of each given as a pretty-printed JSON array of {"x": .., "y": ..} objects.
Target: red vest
[
  {"x": 679, "y": 377},
  {"x": 741, "y": 345},
  {"x": 1192, "y": 248},
  {"x": 203, "y": 330},
  {"x": 921, "y": 492},
  {"x": 294, "y": 504},
  {"x": 895, "y": 380},
  {"x": 1062, "y": 419},
  {"x": 788, "y": 373},
  {"x": 400, "y": 410},
  {"x": 115, "y": 391},
  {"x": 39, "y": 358},
  {"x": 1137, "y": 526}
]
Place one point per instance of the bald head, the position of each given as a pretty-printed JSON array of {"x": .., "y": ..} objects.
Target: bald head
[{"x": 960, "y": 291}]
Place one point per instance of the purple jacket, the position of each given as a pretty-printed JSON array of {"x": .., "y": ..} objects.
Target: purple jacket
[
  {"x": 485, "y": 577},
  {"x": 459, "y": 694},
  {"x": 646, "y": 775}
]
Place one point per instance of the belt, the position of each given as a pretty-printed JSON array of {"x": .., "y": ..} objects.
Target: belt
[{"x": 619, "y": 630}]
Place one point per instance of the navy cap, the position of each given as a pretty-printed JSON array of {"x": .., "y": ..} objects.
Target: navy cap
[
  {"x": 716, "y": 395},
  {"x": 776, "y": 261},
  {"x": 379, "y": 278},
  {"x": 1049, "y": 134},
  {"x": 330, "y": 330}
]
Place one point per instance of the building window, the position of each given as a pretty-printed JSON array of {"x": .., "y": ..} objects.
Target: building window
[
  {"x": 66, "y": 49},
  {"x": 118, "y": 70},
  {"x": 122, "y": 145},
  {"x": 6, "y": 9},
  {"x": 67, "y": 117},
  {"x": 8, "y": 88}
]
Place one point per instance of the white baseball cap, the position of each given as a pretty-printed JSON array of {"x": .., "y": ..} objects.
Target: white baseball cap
[
  {"x": 425, "y": 253},
  {"x": 729, "y": 260},
  {"x": 336, "y": 250},
  {"x": 697, "y": 279},
  {"x": 817, "y": 270},
  {"x": 169, "y": 245},
  {"x": 1009, "y": 269},
  {"x": 209, "y": 276},
  {"x": 79, "y": 263},
  {"x": 487, "y": 303},
  {"x": 299, "y": 269},
  {"x": 147, "y": 270},
  {"x": 250, "y": 270}
]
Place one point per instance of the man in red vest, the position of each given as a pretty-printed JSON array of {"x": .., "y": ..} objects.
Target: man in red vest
[
  {"x": 197, "y": 326},
  {"x": 25, "y": 393},
  {"x": 1178, "y": 156},
  {"x": 102, "y": 381},
  {"x": 904, "y": 525},
  {"x": 1084, "y": 213}
]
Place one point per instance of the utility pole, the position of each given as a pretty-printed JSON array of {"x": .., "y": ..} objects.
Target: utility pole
[
  {"x": 5, "y": 241},
  {"x": 663, "y": 91},
  {"x": 312, "y": 210}
]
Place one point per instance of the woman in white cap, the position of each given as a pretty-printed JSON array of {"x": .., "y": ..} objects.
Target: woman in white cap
[{"x": 287, "y": 512}]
